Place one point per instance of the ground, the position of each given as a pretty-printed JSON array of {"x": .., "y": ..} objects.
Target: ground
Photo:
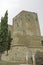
[{"x": 10, "y": 63}]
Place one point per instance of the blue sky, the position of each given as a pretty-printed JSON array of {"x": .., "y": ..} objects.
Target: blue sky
[{"x": 15, "y": 6}]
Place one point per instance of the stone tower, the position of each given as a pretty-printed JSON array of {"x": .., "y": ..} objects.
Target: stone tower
[
  {"x": 26, "y": 22},
  {"x": 26, "y": 38},
  {"x": 26, "y": 27}
]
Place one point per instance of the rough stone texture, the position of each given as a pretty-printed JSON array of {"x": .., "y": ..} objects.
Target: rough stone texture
[
  {"x": 26, "y": 29},
  {"x": 26, "y": 22},
  {"x": 39, "y": 58},
  {"x": 26, "y": 38}
]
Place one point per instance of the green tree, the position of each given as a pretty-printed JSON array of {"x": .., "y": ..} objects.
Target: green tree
[
  {"x": 0, "y": 46},
  {"x": 1, "y": 41},
  {"x": 5, "y": 36},
  {"x": 9, "y": 41},
  {"x": 4, "y": 30}
]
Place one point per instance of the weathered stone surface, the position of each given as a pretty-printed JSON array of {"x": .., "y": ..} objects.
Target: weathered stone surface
[
  {"x": 26, "y": 22},
  {"x": 26, "y": 36}
]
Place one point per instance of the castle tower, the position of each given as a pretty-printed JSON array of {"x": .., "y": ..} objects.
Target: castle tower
[
  {"x": 26, "y": 27},
  {"x": 26, "y": 38},
  {"x": 26, "y": 22}
]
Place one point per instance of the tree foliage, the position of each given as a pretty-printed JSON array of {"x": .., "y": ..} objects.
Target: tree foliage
[
  {"x": 4, "y": 31},
  {"x": 5, "y": 35},
  {"x": 9, "y": 41}
]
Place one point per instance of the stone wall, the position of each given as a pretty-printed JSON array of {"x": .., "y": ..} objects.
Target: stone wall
[
  {"x": 26, "y": 22},
  {"x": 26, "y": 38}
]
